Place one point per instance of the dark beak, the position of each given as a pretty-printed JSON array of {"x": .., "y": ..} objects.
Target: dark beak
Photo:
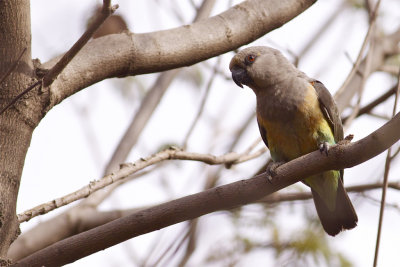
[{"x": 239, "y": 76}]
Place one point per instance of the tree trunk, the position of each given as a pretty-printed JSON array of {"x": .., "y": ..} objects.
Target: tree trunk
[{"x": 17, "y": 123}]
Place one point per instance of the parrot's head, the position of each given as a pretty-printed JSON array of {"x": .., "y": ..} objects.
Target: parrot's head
[{"x": 259, "y": 67}]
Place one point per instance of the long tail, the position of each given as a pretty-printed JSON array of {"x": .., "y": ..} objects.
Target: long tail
[{"x": 343, "y": 217}]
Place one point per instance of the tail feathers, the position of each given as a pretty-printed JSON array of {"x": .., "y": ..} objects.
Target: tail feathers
[{"x": 344, "y": 216}]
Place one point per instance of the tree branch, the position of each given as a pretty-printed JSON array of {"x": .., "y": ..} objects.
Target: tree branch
[
  {"x": 295, "y": 196},
  {"x": 384, "y": 46},
  {"x": 106, "y": 11},
  {"x": 131, "y": 168},
  {"x": 131, "y": 54},
  {"x": 219, "y": 198},
  {"x": 367, "y": 108}
]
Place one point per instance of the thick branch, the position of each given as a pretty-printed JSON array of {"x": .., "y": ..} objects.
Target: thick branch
[
  {"x": 219, "y": 198},
  {"x": 125, "y": 54}
]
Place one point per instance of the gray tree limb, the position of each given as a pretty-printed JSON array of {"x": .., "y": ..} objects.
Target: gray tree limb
[{"x": 125, "y": 54}]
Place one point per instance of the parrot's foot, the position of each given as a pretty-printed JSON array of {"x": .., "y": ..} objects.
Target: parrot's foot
[
  {"x": 324, "y": 147},
  {"x": 271, "y": 170}
]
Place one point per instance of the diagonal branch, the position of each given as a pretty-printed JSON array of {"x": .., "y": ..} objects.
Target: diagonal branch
[
  {"x": 202, "y": 103},
  {"x": 106, "y": 11},
  {"x": 295, "y": 196},
  {"x": 367, "y": 108},
  {"x": 342, "y": 95},
  {"x": 13, "y": 67},
  {"x": 219, "y": 198}
]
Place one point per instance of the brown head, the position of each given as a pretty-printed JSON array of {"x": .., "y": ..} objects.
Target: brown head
[{"x": 260, "y": 67}]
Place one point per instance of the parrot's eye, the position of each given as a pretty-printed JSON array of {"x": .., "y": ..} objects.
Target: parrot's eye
[{"x": 250, "y": 59}]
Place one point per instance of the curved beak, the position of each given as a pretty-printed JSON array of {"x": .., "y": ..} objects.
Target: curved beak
[{"x": 239, "y": 76}]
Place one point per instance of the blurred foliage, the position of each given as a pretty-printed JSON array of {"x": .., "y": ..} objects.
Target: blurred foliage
[
  {"x": 357, "y": 3},
  {"x": 307, "y": 245}
]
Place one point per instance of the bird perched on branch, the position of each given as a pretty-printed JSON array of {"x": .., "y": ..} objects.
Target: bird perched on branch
[{"x": 297, "y": 115}]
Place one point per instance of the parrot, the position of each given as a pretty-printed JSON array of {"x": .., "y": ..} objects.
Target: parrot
[{"x": 297, "y": 115}]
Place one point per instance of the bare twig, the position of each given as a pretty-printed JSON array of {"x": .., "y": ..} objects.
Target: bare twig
[
  {"x": 192, "y": 240},
  {"x": 378, "y": 202},
  {"x": 9, "y": 71},
  {"x": 129, "y": 169},
  {"x": 140, "y": 120},
  {"x": 182, "y": 236},
  {"x": 395, "y": 154},
  {"x": 322, "y": 29},
  {"x": 367, "y": 108},
  {"x": 106, "y": 6},
  {"x": 107, "y": 10},
  {"x": 20, "y": 95},
  {"x": 379, "y": 116},
  {"x": 202, "y": 103},
  {"x": 295, "y": 196},
  {"x": 385, "y": 181},
  {"x": 12, "y": 68},
  {"x": 360, "y": 89},
  {"x": 210, "y": 183},
  {"x": 357, "y": 63}
]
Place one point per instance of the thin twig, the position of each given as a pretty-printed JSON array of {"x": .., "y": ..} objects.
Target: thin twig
[
  {"x": 379, "y": 116},
  {"x": 367, "y": 108},
  {"x": 140, "y": 120},
  {"x": 361, "y": 53},
  {"x": 322, "y": 29},
  {"x": 107, "y": 10},
  {"x": 385, "y": 181},
  {"x": 182, "y": 236},
  {"x": 192, "y": 242},
  {"x": 129, "y": 169},
  {"x": 368, "y": 63},
  {"x": 202, "y": 104},
  {"x": 106, "y": 5},
  {"x": 378, "y": 201},
  {"x": 296, "y": 196},
  {"x": 210, "y": 183},
  {"x": 12, "y": 68},
  {"x": 395, "y": 154},
  {"x": 19, "y": 96}
]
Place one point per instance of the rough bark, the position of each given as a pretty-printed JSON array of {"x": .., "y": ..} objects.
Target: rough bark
[{"x": 17, "y": 124}]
